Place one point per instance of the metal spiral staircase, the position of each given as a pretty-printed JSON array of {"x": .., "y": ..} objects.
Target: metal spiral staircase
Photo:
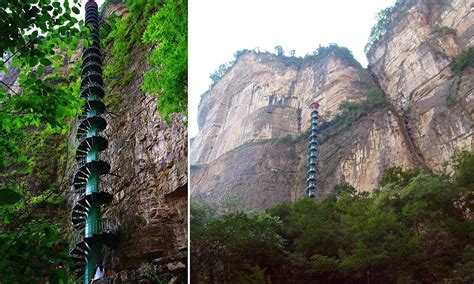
[
  {"x": 91, "y": 231},
  {"x": 312, "y": 152}
]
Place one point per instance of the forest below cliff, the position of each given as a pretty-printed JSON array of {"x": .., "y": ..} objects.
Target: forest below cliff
[{"x": 416, "y": 228}]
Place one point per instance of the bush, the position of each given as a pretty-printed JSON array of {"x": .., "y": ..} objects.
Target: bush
[
  {"x": 351, "y": 112},
  {"x": 341, "y": 52},
  {"x": 384, "y": 18},
  {"x": 463, "y": 60},
  {"x": 168, "y": 80}
]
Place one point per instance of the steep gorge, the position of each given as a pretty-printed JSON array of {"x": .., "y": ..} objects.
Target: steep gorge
[{"x": 252, "y": 144}]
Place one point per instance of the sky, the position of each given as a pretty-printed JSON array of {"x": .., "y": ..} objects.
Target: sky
[{"x": 218, "y": 28}]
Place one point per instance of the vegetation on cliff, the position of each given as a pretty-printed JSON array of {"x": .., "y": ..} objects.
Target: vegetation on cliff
[
  {"x": 384, "y": 19},
  {"x": 162, "y": 25},
  {"x": 320, "y": 53},
  {"x": 350, "y": 112},
  {"x": 464, "y": 60},
  {"x": 416, "y": 227},
  {"x": 169, "y": 79}
]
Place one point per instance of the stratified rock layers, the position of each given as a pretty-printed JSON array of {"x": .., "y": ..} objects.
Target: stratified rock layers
[{"x": 242, "y": 150}]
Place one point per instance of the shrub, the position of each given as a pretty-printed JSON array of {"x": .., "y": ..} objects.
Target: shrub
[{"x": 463, "y": 60}]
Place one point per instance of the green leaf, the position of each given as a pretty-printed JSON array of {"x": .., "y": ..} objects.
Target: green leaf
[
  {"x": 33, "y": 61},
  {"x": 75, "y": 10},
  {"x": 57, "y": 65},
  {"x": 9, "y": 197},
  {"x": 45, "y": 61},
  {"x": 40, "y": 70},
  {"x": 63, "y": 46}
]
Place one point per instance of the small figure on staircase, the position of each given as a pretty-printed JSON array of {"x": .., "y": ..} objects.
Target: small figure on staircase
[{"x": 99, "y": 274}]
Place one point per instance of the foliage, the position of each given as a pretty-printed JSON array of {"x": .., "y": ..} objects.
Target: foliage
[
  {"x": 169, "y": 77},
  {"x": 126, "y": 34},
  {"x": 106, "y": 4},
  {"x": 398, "y": 176},
  {"x": 351, "y": 112},
  {"x": 220, "y": 72},
  {"x": 463, "y": 60},
  {"x": 30, "y": 42},
  {"x": 279, "y": 50},
  {"x": 444, "y": 30},
  {"x": 384, "y": 19},
  {"x": 225, "y": 246},
  {"x": 254, "y": 275},
  {"x": 341, "y": 52},
  {"x": 38, "y": 38},
  {"x": 151, "y": 275},
  {"x": 163, "y": 25},
  {"x": 31, "y": 227},
  {"x": 288, "y": 140},
  {"x": 417, "y": 228}
]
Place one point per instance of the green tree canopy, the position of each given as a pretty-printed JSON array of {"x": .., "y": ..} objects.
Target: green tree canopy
[
  {"x": 418, "y": 227},
  {"x": 38, "y": 38}
]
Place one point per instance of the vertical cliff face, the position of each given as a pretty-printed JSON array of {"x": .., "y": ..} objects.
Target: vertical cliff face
[
  {"x": 148, "y": 159},
  {"x": 265, "y": 96},
  {"x": 243, "y": 150},
  {"x": 412, "y": 64},
  {"x": 252, "y": 144}
]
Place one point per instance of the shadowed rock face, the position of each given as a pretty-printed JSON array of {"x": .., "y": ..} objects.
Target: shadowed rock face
[{"x": 241, "y": 150}]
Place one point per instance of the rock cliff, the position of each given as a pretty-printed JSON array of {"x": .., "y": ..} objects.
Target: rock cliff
[
  {"x": 148, "y": 178},
  {"x": 252, "y": 143}
]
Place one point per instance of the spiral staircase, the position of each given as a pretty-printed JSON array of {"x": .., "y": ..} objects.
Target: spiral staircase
[
  {"x": 312, "y": 152},
  {"x": 91, "y": 231}
]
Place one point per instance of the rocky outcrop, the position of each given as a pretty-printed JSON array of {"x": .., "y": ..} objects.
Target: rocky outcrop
[
  {"x": 265, "y": 96},
  {"x": 412, "y": 64},
  {"x": 251, "y": 142}
]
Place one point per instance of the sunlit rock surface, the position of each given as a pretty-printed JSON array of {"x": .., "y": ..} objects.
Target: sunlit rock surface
[{"x": 251, "y": 146}]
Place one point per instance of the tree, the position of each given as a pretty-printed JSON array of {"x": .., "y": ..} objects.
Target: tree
[
  {"x": 31, "y": 36},
  {"x": 416, "y": 228},
  {"x": 37, "y": 36},
  {"x": 279, "y": 50},
  {"x": 221, "y": 71},
  {"x": 225, "y": 246}
]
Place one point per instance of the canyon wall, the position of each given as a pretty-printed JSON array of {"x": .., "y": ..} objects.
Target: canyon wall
[
  {"x": 251, "y": 145},
  {"x": 148, "y": 177}
]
